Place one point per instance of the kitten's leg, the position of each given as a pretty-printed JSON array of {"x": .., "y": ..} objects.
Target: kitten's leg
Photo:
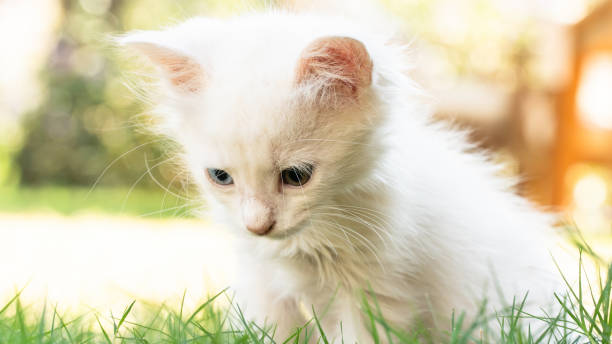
[
  {"x": 341, "y": 319},
  {"x": 286, "y": 316},
  {"x": 266, "y": 303},
  {"x": 281, "y": 315}
]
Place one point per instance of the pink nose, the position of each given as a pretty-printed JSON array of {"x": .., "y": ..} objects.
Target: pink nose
[
  {"x": 261, "y": 228},
  {"x": 257, "y": 216}
]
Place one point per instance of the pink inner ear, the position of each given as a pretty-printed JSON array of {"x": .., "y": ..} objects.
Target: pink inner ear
[
  {"x": 342, "y": 63},
  {"x": 182, "y": 71}
]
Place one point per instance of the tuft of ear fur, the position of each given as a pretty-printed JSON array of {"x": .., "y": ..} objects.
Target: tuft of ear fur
[
  {"x": 339, "y": 67},
  {"x": 183, "y": 72}
]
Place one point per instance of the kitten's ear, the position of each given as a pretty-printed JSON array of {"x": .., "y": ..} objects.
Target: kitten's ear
[
  {"x": 340, "y": 67},
  {"x": 181, "y": 70}
]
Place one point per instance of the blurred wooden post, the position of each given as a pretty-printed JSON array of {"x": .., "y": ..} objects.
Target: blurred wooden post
[{"x": 576, "y": 142}]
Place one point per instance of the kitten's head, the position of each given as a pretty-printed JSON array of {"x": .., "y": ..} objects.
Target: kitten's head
[{"x": 274, "y": 114}]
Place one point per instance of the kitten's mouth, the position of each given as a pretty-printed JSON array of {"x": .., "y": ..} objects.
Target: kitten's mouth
[{"x": 291, "y": 231}]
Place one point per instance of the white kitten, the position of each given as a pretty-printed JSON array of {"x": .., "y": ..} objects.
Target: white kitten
[{"x": 310, "y": 142}]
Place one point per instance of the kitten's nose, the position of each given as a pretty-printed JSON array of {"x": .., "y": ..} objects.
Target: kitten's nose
[
  {"x": 257, "y": 216},
  {"x": 261, "y": 230}
]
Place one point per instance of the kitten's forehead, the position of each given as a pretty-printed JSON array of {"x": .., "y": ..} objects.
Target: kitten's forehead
[
  {"x": 246, "y": 110},
  {"x": 259, "y": 127},
  {"x": 252, "y": 91}
]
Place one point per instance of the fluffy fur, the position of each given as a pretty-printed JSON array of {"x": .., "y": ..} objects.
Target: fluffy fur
[{"x": 398, "y": 208}]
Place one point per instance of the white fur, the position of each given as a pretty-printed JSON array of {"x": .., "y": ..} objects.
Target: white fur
[{"x": 398, "y": 205}]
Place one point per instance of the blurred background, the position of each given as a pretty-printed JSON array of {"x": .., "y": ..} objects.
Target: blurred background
[{"x": 531, "y": 79}]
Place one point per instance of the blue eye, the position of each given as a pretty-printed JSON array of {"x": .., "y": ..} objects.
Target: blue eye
[{"x": 220, "y": 177}]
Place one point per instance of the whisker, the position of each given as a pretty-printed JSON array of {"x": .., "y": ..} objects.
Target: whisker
[
  {"x": 362, "y": 239},
  {"x": 161, "y": 186},
  {"x": 349, "y": 228},
  {"x": 161, "y": 211},
  {"x": 349, "y": 244},
  {"x": 309, "y": 210},
  {"x": 163, "y": 202},
  {"x": 377, "y": 220},
  {"x": 132, "y": 122},
  {"x": 357, "y": 220},
  {"x": 322, "y": 233},
  {"x": 373, "y": 222},
  {"x": 336, "y": 141},
  {"x": 113, "y": 163},
  {"x": 343, "y": 232},
  {"x": 368, "y": 225},
  {"x": 374, "y": 211},
  {"x": 367, "y": 244},
  {"x": 345, "y": 237},
  {"x": 148, "y": 171}
]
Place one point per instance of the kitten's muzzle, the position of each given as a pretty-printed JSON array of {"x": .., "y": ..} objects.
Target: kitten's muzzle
[
  {"x": 261, "y": 230},
  {"x": 257, "y": 216}
]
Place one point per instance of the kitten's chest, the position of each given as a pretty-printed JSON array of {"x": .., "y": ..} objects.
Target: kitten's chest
[{"x": 305, "y": 277}]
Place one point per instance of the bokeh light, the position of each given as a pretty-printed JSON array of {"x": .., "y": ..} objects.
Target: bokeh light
[
  {"x": 595, "y": 92},
  {"x": 590, "y": 192}
]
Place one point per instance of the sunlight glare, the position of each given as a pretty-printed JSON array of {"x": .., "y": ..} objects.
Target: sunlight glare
[
  {"x": 565, "y": 12},
  {"x": 590, "y": 192},
  {"x": 105, "y": 262},
  {"x": 594, "y": 93}
]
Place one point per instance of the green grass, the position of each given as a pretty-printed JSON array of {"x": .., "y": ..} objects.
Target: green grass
[
  {"x": 74, "y": 200},
  {"x": 585, "y": 316}
]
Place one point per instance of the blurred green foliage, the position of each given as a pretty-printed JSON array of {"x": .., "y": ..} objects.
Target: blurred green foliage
[
  {"x": 69, "y": 201},
  {"x": 89, "y": 117},
  {"x": 11, "y": 138}
]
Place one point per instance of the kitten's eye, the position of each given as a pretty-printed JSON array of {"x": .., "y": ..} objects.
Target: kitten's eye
[
  {"x": 296, "y": 176},
  {"x": 220, "y": 177}
]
